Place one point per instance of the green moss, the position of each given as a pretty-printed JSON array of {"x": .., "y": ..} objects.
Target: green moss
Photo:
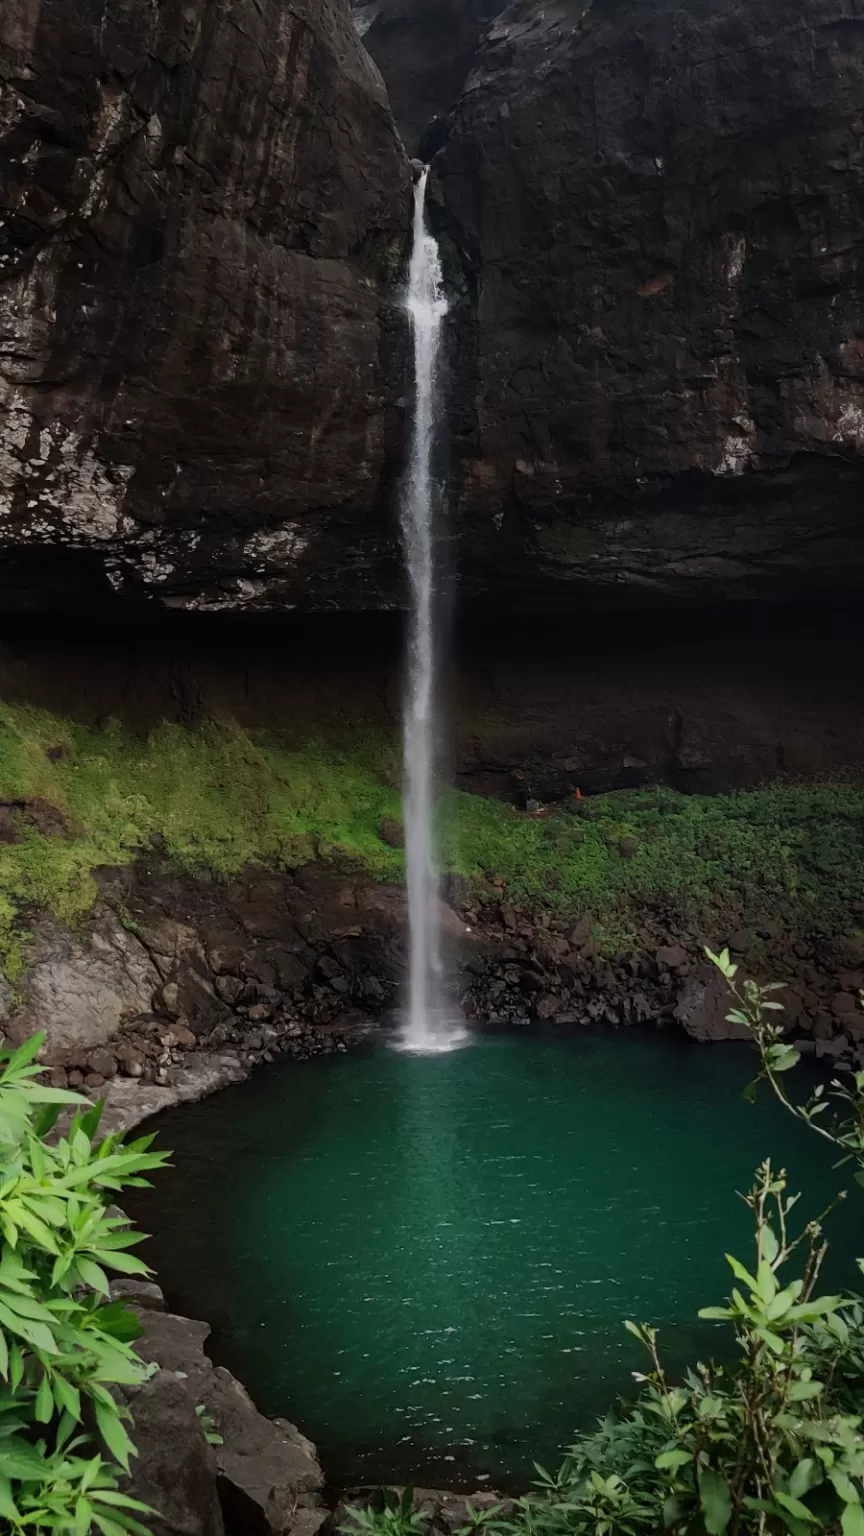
[
  {"x": 795, "y": 851},
  {"x": 218, "y": 798}
]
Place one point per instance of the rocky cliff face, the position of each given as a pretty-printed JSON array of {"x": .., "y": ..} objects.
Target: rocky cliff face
[
  {"x": 425, "y": 50},
  {"x": 202, "y": 211},
  {"x": 663, "y": 389},
  {"x": 653, "y": 220}
]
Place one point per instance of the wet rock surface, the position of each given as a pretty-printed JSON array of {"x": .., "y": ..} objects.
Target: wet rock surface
[
  {"x": 262, "y": 1478},
  {"x": 424, "y": 52},
  {"x": 236, "y": 974},
  {"x": 202, "y": 215},
  {"x": 539, "y": 966},
  {"x": 87, "y": 987},
  {"x": 658, "y": 391},
  {"x": 312, "y": 963},
  {"x": 652, "y": 226}
]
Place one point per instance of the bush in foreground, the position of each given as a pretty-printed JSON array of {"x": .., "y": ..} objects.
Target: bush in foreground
[{"x": 64, "y": 1344}]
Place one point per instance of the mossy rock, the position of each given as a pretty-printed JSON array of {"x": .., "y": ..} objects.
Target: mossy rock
[{"x": 218, "y": 798}]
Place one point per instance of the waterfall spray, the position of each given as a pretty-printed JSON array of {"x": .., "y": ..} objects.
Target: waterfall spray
[{"x": 428, "y": 1026}]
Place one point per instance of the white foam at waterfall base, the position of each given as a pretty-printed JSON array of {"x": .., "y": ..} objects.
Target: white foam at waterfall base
[{"x": 431, "y": 1023}]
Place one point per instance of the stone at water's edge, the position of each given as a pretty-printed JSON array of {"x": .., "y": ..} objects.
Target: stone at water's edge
[
  {"x": 263, "y": 1477},
  {"x": 203, "y": 980}
]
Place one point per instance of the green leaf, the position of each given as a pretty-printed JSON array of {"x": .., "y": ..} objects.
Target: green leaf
[
  {"x": 25, "y": 1306},
  {"x": 673, "y": 1510},
  {"x": 46, "y": 1120},
  {"x": 8, "y": 1509},
  {"x": 44, "y": 1408},
  {"x": 741, "y": 1273},
  {"x": 766, "y": 1282},
  {"x": 117, "y": 1320},
  {"x": 93, "y": 1275},
  {"x": 768, "y": 1244},
  {"x": 91, "y": 1121},
  {"x": 35, "y": 1227},
  {"x": 114, "y": 1434},
  {"x": 852, "y": 1520},
  {"x": 67, "y": 1396},
  {"x": 803, "y": 1391},
  {"x": 672, "y": 1459},
  {"x": 16, "y": 1366},
  {"x": 796, "y": 1508},
  {"x": 40, "y": 1094},
  {"x": 844, "y": 1485},
  {"x": 804, "y": 1477},
  {"x": 781, "y": 1058},
  {"x": 23, "y": 1055},
  {"x": 126, "y": 1263},
  {"x": 35, "y": 1333},
  {"x": 715, "y": 1499}
]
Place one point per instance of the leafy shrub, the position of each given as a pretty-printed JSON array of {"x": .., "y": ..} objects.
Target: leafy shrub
[{"x": 64, "y": 1344}]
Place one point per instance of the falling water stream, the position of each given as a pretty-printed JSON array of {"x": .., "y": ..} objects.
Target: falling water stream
[{"x": 429, "y": 1025}]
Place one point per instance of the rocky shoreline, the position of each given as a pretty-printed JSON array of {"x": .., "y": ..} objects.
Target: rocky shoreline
[
  {"x": 151, "y": 1008},
  {"x": 181, "y": 986}
]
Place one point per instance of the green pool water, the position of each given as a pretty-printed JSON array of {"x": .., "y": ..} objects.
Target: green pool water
[{"x": 426, "y": 1262}]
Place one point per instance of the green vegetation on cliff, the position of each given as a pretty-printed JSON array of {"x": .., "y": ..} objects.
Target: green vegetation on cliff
[{"x": 217, "y": 798}]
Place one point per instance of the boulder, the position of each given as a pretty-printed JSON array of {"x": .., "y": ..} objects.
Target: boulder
[
  {"x": 80, "y": 988},
  {"x": 702, "y": 1006},
  {"x": 268, "y": 1475},
  {"x": 671, "y": 957},
  {"x": 175, "y": 1469}
]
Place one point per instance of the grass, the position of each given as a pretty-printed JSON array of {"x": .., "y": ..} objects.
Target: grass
[{"x": 219, "y": 798}]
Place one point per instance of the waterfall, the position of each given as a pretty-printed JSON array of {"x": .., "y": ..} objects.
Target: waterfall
[{"x": 429, "y": 1025}]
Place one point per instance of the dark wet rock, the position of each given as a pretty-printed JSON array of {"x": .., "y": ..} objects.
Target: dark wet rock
[
  {"x": 832, "y": 1049},
  {"x": 266, "y": 1470},
  {"x": 424, "y": 50},
  {"x": 175, "y": 1469},
  {"x": 652, "y": 226},
  {"x": 204, "y": 212},
  {"x": 392, "y": 832},
  {"x": 103, "y": 1062},
  {"x": 192, "y": 998},
  {"x": 660, "y": 387},
  {"x": 702, "y": 1007},
  {"x": 672, "y": 957},
  {"x": 262, "y": 1480},
  {"x": 18, "y": 817}
]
